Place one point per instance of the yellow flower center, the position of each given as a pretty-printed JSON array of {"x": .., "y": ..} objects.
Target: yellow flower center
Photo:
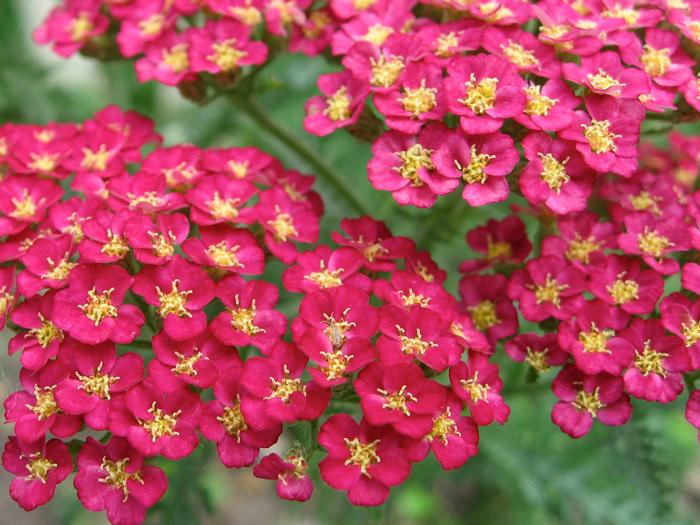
[
  {"x": 645, "y": 201},
  {"x": 656, "y": 61},
  {"x": 336, "y": 364},
  {"x": 223, "y": 208},
  {"x": 414, "y": 345},
  {"x": 98, "y": 383},
  {"x": 629, "y": 15},
  {"x": 162, "y": 246},
  {"x": 185, "y": 365},
  {"x": 361, "y": 5},
  {"x": 283, "y": 225},
  {"x": 150, "y": 197},
  {"x": 338, "y": 105},
  {"x": 362, "y": 455},
  {"x": 498, "y": 250},
  {"x": 46, "y": 333},
  {"x": 44, "y": 163},
  {"x": 38, "y": 467},
  {"x": 549, "y": 291},
  {"x": 335, "y": 330},
  {"x": 233, "y": 420},
  {"x": 518, "y": 55},
  {"x": 117, "y": 476},
  {"x": 475, "y": 172},
  {"x": 484, "y": 315},
  {"x": 325, "y": 278},
  {"x": 397, "y": 400},
  {"x": 477, "y": 391},
  {"x": 25, "y": 207},
  {"x": 176, "y": 58},
  {"x": 623, "y": 290},
  {"x": 650, "y": 361},
  {"x": 284, "y": 387},
  {"x": 242, "y": 319},
  {"x": 537, "y": 103},
  {"x": 81, "y": 27},
  {"x": 480, "y": 96},
  {"x": 6, "y": 299},
  {"x": 152, "y": 25},
  {"x": 412, "y": 160},
  {"x": 691, "y": 332},
  {"x": 45, "y": 405},
  {"x": 553, "y": 172},
  {"x": 581, "y": 249},
  {"x": 443, "y": 425},
  {"x": 444, "y": 44},
  {"x": 589, "y": 402},
  {"x": 222, "y": 255},
  {"x": 595, "y": 341},
  {"x": 413, "y": 299},
  {"x": 226, "y": 56},
  {"x": 602, "y": 80},
  {"x": 60, "y": 271},
  {"x": 162, "y": 424},
  {"x": 418, "y": 100},
  {"x": 652, "y": 243},
  {"x": 116, "y": 245},
  {"x": 174, "y": 302},
  {"x": 99, "y": 306},
  {"x": 373, "y": 251},
  {"x": 239, "y": 169},
  {"x": 95, "y": 160},
  {"x": 554, "y": 32},
  {"x": 385, "y": 71},
  {"x": 377, "y": 34},
  {"x": 599, "y": 136},
  {"x": 537, "y": 360}
]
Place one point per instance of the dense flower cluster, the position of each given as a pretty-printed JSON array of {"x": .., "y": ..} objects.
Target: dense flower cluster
[
  {"x": 459, "y": 87},
  {"x": 604, "y": 296},
  {"x": 131, "y": 285}
]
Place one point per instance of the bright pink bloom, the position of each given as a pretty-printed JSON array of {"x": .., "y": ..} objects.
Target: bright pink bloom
[
  {"x": 541, "y": 352},
  {"x": 144, "y": 192},
  {"x": 180, "y": 165},
  {"x": 341, "y": 103},
  {"x": 179, "y": 290},
  {"x": 324, "y": 268},
  {"x": 654, "y": 241},
  {"x": 485, "y": 299},
  {"x": 71, "y": 26},
  {"x": 38, "y": 467},
  {"x": 620, "y": 282},
  {"x": 523, "y": 50},
  {"x": 115, "y": 478},
  {"x": 661, "y": 57},
  {"x": 105, "y": 237},
  {"x": 135, "y": 129},
  {"x": 581, "y": 240},
  {"x": 166, "y": 60},
  {"x": 382, "y": 67},
  {"x": 223, "y": 46},
  {"x": 584, "y": 398},
  {"x": 604, "y": 74},
  {"x": 448, "y": 39},
  {"x": 406, "y": 290},
  {"x": 142, "y": 24},
  {"x": 293, "y": 483},
  {"x": 549, "y": 107},
  {"x": 156, "y": 243},
  {"x": 373, "y": 27},
  {"x": 226, "y": 249},
  {"x": 91, "y": 309},
  {"x": 97, "y": 152},
  {"x": 217, "y": 199},
  {"x": 43, "y": 339},
  {"x": 502, "y": 243},
  {"x": 47, "y": 264},
  {"x": 477, "y": 384},
  {"x": 681, "y": 316},
  {"x": 24, "y": 201}
]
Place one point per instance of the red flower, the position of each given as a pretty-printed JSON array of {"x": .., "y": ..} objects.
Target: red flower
[{"x": 290, "y": 474}]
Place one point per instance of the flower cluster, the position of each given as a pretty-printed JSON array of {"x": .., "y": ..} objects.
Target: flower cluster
[
  {"x": 537, "y": 98},
  {"x": 605, "y": 296},
  {"x": 134, "y": 287}
]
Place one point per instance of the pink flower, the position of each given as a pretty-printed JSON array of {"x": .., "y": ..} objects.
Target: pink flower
[
  {"x": 448, "y": 39},
  {"x": 382, "y": 67},
  {"x": 549, "y": 107},
  {"x": 502, "y": 243},
  {"x": 401, "y": 396},
  {"x": 584, "y": 398},
  {"x": 681, "y": 316},
  {"x": 239, "y": 437},
  {"x": 156, "y": 243},
  {"x": 155, "y": 422},
  {"x": 417, "y": 98},
  {"x": 341, "y": 103},
  {"x": 97, "y": 152},
  {"x": 556, "y": 175},
  {"x": 348, "y": 9},
  {"x": 179, "y": 290},
  {"x": 523, "y": 50},
  {"x": 547, "y": 287},
  {"x": 217, "y": 199},
  {"x": 483, "y": 90},
  {"x": 324, "y": 268},
  {"x": 661, "y": 57},
  {"x": 135, "y": 129},
  {"x": 403, "y": 165},
  {"x": 485, "y": 299},
  {"x": 314, "y": 36},
  {"x": 24, "y": 201},
  {"x": 406, "y": 290},
  {"x": 142, "y": 24},
  {"x": 166, "y": 59},
  {"x": 581, "y": 240},
  {"x": 604, "y": 74},
  {"x": 362, "y": 459},
  {"x": 292, "y": 481},
  {"x": 591, "y": 339},
  {"x": 477, "y": 384},
  {"x": 38, "y": 466},
  {"x": 96, "y": 374},
  {"x": 278, "y": 390},
  {"x": 541, "y": 352},
  {"x": 144, "y": 192},
  {"x": 105, "y": 237},
  {"x": 34, "y": 410},
  {"x": 372, "y": 27},
  {"x": 115, "y": 478},
  {"x": 72, "y": 26},
  {"x": 43, "y": 339},
  {"x": 620, "y": 282},
  {"x": 91, "y": 310},
  {"x": 47, "y": 264},
  {"x": 223, "y": 47},
  {"x": 249, "y": 317},
  {"x": 226, "y": 249},
  {"x": 423, "y": 265},
  {"x": 68, "y": 216},
  {"x": 654, "y": 241},
  {"x": 654, "y": 374},
  {"x": 180, "y": 165}
]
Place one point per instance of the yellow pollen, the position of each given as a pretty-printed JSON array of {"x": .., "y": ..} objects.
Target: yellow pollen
[
  {"x": 362, "y": 455},
  {"x": 162, "y": 246},
  {"x": 338, "y": 105},
  {"x": 645, "y": 201},
  {"x": 95, "y": 160},
  {"x": 117, "y": 476},
  {"x": 182, "y": 170},
  {"x": 25, "y": 207},
  {"x": 286, "y": 386},
  {"x": 176, "y": 58},
  {"x": 652, "y": 243},
  {"x": 595, "y": 341},
  {"x": 335, "y": 330},
  {"x": 553, "y": 172},
  {"x": 248, "y": 14},
  {"x": 549, "y": 291},
  {"x": 385, "y": 71},
  {"x": 239, "y": 169},
  {"x": 98, "y": 383},
  {"x": 423, "y": 272},
  {"x": 38, "y": 467},
  {"x": 494, "y": 11},
  {"x": 581, "y": 249},
  {"x": 537, "y": 360},
  {"x": 318, "y": 21},
  {"x": 537, "y": 103},
  {"x": 443, "y": 426},
  {"x": 185, "y": 365},
  {"x": 45, "y": 136},
  {"x": 6, "y": 299},
  {"x": 412, "y": 160},
  {"x": 629, "y": 15},
  {"x": 477, "y": 391},
  {"x": 44, "y": 163},
  {"x": 242, "y": 319},
  {"x": 475, "y": 172},
  {"x": 222, "y": 255},
  {"x": 377, "y": 34},
  {"x": 694, "y": 27},
  {"x": 116, "y": 245},
  {"x": 152, "y": 25},
  {"x": 326, "y": 278},
  {"x": 81, "y": 27},
  {"x": 650, "y": 361},
  {"x": 150, "y": 197},
  {"x": 45, "y": 405},
  {"x": 233, "y": 421},
  {"x": 283, "y": 224},
  {"x": 602, "y": 80},
  {"x": 599, "y": 136},
  {"x": 174, "y": 302},
  {"x": 677, "y": 4},
  {"x": 75, "y": 228},
  {"x": 60, "y": 271},
  {"x": 691, "y": 332},
  {"x": 656, "y": 61},
  {"x": 589, "y": 402},
  {"x": 373, "y": 251},
  {"x": 397, "y": 400},
  {"x": 518, "y": 55},
  {"x": 623, "y": 290},
  {"x": 413, "y": 345},
  {"x": 99, "y": 306},
  {"x": 444, "y": 44},
  {"x": 336, "y": 364},
  {"x": 413, "y": 299},
  {"x": 418, "y": 100},
  {"x": 554, "y": 32},
  {"x": 223, "y": 208},
  {"x": 484, "y": 315},
  {"x": 226, "y": 56},
  {"x": 46, "y": 333},
  {"x": 162, "y": 424},
  {"x": 361, "y": 5},
  {"x": 498, "y": 250},
  {"x": 480, "y": 96}
]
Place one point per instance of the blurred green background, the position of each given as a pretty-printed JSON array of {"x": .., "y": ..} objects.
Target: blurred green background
[{"x": 527, "y": 472}]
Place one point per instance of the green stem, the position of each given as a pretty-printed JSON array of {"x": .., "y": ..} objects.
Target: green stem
[{"x": 253, "y": 109}]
